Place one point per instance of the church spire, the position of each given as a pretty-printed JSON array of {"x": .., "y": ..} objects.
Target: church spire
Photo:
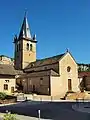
[{"x": 25, "y": 30}]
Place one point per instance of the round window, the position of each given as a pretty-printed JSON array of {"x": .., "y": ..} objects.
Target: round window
[{"x": 68, "y": 69}]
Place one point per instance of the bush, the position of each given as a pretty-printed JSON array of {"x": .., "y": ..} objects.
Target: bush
[
  {"x": 2, "y": 95},
  {"x": 9, "y": 116}
]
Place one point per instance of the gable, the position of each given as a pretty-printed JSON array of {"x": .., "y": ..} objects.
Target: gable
[{"x": 71, "y": 57}]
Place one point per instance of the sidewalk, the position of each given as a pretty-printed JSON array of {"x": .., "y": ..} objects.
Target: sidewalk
[
  {"x": 22, "y": 117},
  {"x": 81, "y": 107}
]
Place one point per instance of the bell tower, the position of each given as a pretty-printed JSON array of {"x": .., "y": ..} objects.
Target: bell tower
[{"x": 25, "y": 47}]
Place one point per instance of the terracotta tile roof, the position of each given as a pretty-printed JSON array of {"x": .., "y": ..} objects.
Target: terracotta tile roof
[{"x": 82, "y": 74}]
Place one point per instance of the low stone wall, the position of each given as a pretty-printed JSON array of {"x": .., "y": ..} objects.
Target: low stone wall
[
  {"x": 41, "y": 97},
  {"x": 7, "y": 101}
]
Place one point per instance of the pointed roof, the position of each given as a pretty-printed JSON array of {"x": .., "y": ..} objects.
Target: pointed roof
[{"x": 25, "y": 30}]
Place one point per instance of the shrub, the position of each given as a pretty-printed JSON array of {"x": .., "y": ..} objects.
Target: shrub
[
  {"x": 9, "y": 116},
  {"x": 2, "y": 95}
]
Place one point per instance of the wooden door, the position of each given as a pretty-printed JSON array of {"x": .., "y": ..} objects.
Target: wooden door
[
  {"x": 69, "y": 85},
  {"x": 12, "y": 89}
]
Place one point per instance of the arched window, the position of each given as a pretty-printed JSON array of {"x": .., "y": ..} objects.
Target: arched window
[
  {"x": 41, "y": 81},
  {"x": 30, "y": 47},
  {"x": 68, "y": 69},
  {"x": 27, "y": 46}
]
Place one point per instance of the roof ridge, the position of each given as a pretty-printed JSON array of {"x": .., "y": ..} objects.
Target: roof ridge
[
  {"x": 6, "y": 65},
  {"x": 51, "y": 57}
]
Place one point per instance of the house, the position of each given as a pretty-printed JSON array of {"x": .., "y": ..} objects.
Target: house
[
  {"x": 50, "y": 76},
  {"x": 8, "y": 78},
  {"x": 84, "y": 80},
  {"x": 6, "y": 60}
]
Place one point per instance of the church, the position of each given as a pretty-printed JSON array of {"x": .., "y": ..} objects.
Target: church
[
  {"x": 49, "y": 76},
  {"x": 52, "y": 76}
]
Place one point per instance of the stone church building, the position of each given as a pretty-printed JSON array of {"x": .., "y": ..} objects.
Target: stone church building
[{"x": 49, "y": 76}]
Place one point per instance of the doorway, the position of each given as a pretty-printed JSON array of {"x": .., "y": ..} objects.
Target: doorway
[
  {"x": 33, "y": 88},
  {"x": 12, "y": 89},
  {"x": 69, "y": 85}
]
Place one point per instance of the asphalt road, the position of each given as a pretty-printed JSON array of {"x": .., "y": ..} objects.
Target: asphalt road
[{"x": 49, "y": 110}]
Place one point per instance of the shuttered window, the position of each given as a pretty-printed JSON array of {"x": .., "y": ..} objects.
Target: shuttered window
[{"x": 5, "y": 87}]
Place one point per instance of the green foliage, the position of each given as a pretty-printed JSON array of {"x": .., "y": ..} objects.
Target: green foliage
[
  {"x": 83, "y": 67},
  {"x": 79, "y": 69},
  {"x": 88, "y": 70},
  {"x": 2, "y": 95},
  {"x": 9, "y": 116},
  {"x": 12, "y": 59}
]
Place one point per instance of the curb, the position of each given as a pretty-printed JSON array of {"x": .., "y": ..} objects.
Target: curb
[{"x": 23, "y": 117}]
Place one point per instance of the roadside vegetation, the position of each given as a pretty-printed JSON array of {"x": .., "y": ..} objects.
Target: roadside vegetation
[
  {"x": 9, "y": 116},
  {"x": 4, "y": 98}
]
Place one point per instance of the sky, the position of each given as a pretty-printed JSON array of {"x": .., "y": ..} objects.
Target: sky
[{"x": 58, "y": 25}]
